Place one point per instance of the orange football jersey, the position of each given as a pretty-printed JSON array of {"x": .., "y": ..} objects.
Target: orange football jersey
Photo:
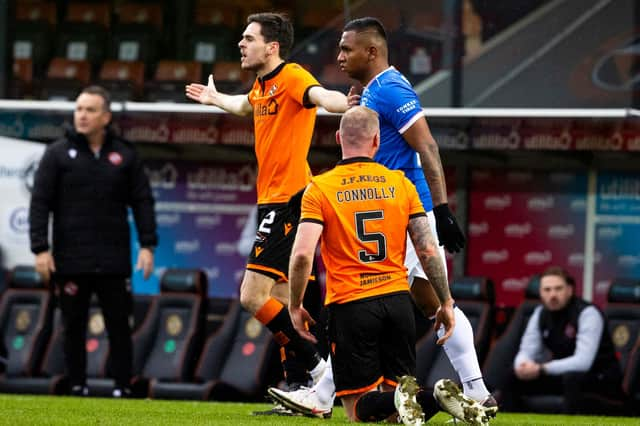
[
  {"x": 365, "y": 210},
  {"x": 283, "y": 131}
]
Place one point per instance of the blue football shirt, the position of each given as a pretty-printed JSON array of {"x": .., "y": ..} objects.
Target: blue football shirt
[{"x": 390, "y": 95}]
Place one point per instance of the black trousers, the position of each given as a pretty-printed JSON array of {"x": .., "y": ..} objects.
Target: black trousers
[
  {"x": 74, "y": 295},
  {"x": 582, "y": 392}
]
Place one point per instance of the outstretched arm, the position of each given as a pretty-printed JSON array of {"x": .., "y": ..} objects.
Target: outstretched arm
[
  {"x": 209, "y": 95},
  {"x": 331, "y": 100}
]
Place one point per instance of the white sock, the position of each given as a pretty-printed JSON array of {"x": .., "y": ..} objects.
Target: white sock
[
  {"x": 461, "y": 352},
  {"x": 326, "y": 388},
  {"x": 318, "y": 370}
]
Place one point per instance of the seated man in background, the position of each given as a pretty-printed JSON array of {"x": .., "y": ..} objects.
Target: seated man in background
[{"x": 566, "y": 347}]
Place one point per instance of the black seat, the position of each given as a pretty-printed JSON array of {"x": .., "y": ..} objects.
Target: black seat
[
  {"x": 234, "y": 366},
  {"x": 25, "y": 324},
  {"x": 623, "y": 313},
  {"x": 167, "y": 344},
  {"x": 475, "y": 297},
  {"x": 498, "y": 364},
  {"x": 51, "y": 378},
  {"x": 631, "y": 381}
]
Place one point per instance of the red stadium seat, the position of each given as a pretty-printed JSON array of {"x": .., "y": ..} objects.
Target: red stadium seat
[
  {"x": 141, "y": 14},
  {"x": 22, "y": 78},
  {"x": 89, "y": 13},
  {"x": 170, "y": 79},
  {"x": 123, "y": 79},
  {"x": 65, "y": 79},
  {"x": 214, "y": 15},
  {"x": 230, "y": 77},
  {"x": 37, "y": 12}
]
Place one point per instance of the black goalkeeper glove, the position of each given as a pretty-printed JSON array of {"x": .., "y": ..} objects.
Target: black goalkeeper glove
[{"x": 449, "y": 233}]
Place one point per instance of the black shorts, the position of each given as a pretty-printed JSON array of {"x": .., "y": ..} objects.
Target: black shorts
[
  {"x": 372, "y": 341},
  {"x": 277, "y": 225}
]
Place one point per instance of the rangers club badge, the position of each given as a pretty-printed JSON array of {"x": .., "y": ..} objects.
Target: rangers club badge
[{"x": 115, "y": 158}]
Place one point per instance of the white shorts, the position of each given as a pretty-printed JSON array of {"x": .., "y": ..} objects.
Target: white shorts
[{"x": 414, "y": 268}]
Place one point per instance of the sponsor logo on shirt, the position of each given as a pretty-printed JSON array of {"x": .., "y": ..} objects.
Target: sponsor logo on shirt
[{"x": 409, "y": 106}]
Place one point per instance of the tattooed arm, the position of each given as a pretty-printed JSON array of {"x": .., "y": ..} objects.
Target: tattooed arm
[{"x": 427, "y": 251}]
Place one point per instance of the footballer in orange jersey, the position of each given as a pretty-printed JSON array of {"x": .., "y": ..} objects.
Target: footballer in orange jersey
[
  {"x": 362, "y": 211},
  {"x": 283, "y": 103}
]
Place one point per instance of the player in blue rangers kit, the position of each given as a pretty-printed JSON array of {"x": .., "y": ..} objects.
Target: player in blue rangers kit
[{"x": 406, "y": 144}]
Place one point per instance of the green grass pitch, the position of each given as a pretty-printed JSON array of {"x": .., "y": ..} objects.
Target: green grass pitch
[{"x": 47, "y": 410}]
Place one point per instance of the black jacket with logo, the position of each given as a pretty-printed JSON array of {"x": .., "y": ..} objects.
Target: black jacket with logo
[
  {"x": 88, "y": 195},
  {"x": 559, "y": 329}
]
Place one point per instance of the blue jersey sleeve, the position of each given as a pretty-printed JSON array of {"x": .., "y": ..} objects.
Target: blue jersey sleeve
[{"x": 401, "y": 106}]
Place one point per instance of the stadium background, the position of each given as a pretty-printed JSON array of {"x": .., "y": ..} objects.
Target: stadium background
[{"x": 540, "y": 148}]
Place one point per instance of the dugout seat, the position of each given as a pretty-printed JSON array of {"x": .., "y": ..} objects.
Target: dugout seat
[
  {"x": 25, "y": 325},
  {"x": 51, "y": 378},
  {"x": 631, "y": 381},
  {"x": 167, "y": 344},
  {"x": 234, "y": 364},
  {"x": 475, "y": 297},
  {"x": 496, "y": 370},
  {"x": 623, "y": 313}
]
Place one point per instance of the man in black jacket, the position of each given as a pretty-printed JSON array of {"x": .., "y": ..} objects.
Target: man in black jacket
[
  {"x": 87, "y": 180},
  {"x": 567, "y": 349}
]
